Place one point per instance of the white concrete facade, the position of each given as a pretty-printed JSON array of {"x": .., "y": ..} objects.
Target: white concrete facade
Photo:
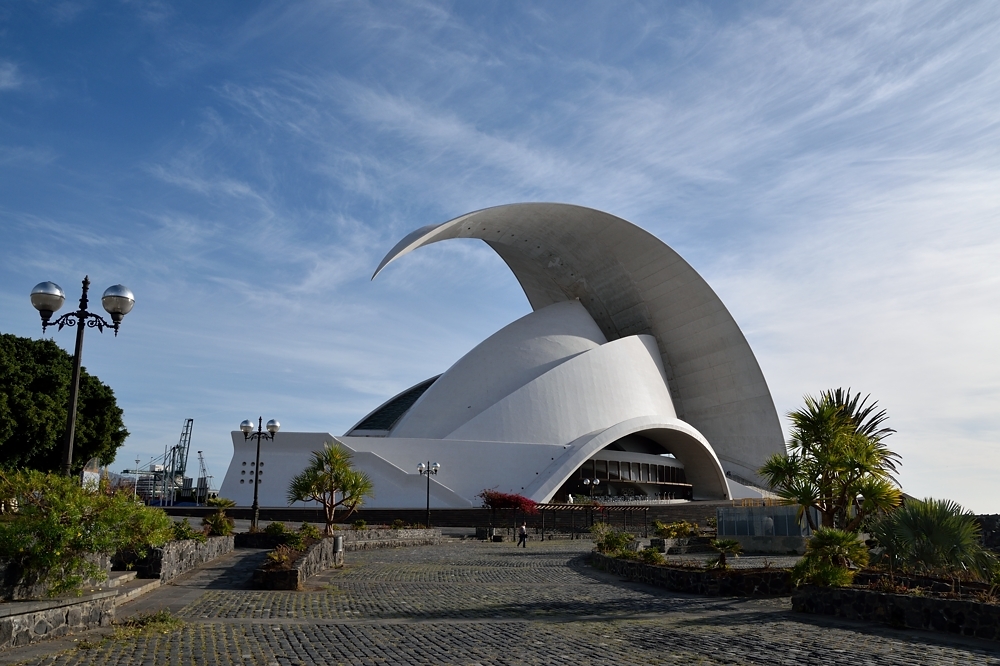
[{"x": 627, "y": 355}]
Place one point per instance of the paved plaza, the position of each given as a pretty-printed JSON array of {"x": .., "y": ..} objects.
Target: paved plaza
[{"x": 468, "y": 602}]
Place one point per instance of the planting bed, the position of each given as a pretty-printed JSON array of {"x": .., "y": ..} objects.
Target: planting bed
[{"x": 728, "y": 582}]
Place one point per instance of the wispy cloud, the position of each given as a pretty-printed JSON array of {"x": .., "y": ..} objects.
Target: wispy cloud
[
  {"x": 830, "y": 168},
  {"x": 10, "y": 76}
]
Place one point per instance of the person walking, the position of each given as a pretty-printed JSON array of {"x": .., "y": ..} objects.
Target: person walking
[{"x": 522, "y": 535}]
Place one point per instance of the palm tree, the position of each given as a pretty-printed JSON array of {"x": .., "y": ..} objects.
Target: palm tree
[
  {"x": 933, "y": 536},
  {"x": 831, "y": 558},
  {"x": 328, "y": 475},
  {"x": 724, "y": 547},
  {"x": 837, "y": 462},
  {"x": 837, "y": 547}
]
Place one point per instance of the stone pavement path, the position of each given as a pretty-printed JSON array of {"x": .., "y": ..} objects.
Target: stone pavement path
[{"x": 485, "y": 603}]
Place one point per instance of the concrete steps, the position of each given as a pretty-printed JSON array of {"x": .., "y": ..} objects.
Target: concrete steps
[
  {"x": 134, "y": 588},
  {"x": 119, "y": 578}
]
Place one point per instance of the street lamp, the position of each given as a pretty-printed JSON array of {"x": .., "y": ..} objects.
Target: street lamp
[
  {"x": 591, "y": 484},
  {"x": 427, "y": 470},
  {"x": 48, "y": 297},
  {"x": 248, "y": 434}
]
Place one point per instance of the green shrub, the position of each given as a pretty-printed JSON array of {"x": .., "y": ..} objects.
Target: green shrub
[
  {"x": 824, "y": 574},
  {"x": 310, "y": 531},
  {"x": 398, "y": 524},
  {"x": 360, "y": 524},
  {"x": 184, "y": 531},
  {"x": 831, "y": 558},
  {"x": 679, "y": 529},
  {"x": 652, "y": 556},
  {"x": 58, "y": 524},
  {"x": 280, "y": 557},
  {"x": 277, "y": 528},
  {"x": 295, "y": 540},
  {"x": 218, "y": 524},
  {"x": 610, "y": 540},
  {"x": 933, "y": 537}
]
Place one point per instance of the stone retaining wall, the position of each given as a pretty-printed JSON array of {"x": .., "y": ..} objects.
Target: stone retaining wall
[
  {"x": 318, "y": 557},
  {"x": 389, "y": 538},
  {"x": 712, "y": 583},
  {"x": 31, "y": 621},
  {"x": 954, "y": 616},
  {"x": 14, "y": 587},
  {"x": 176, "y": 557}
]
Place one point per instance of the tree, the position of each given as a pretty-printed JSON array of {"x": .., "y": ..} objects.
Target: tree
[
  {"x": 837, "y": 461},
  {"x": 328, "y": 475},
  {"x": 34, "y": 391}
]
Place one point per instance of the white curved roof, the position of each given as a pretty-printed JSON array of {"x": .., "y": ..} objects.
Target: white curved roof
[
  {"x": 632, "y": 283},
  {"x": 514, "y": 356}
]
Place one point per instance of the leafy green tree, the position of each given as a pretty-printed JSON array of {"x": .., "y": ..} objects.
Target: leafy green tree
[
  {"x": 837, "y": 461},
  {"x": 933, "y": 536},
  {"x": 329, "y": 475},
  {"x": 34, "y": 391}
]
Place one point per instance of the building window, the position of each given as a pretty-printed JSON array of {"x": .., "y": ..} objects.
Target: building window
[
  {"x": 613, "y": 471},
  {"x": 645, "y": 472},
  {"x": 602, "y": 469}
]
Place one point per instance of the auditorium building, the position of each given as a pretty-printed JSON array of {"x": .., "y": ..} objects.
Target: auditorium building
[{"x": 629, "y": 371}]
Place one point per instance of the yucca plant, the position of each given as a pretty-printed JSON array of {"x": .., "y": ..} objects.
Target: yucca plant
[{"x": 837, "y": 461}]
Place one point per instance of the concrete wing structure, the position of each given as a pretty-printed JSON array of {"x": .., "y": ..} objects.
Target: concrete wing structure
[{"x": 630, "y": 372}]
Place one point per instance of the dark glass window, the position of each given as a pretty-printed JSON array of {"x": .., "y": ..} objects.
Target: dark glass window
[
  {"x": 645, "y": 472},
  {"x": 602, "y": 469},
  {"x": 613, "y": 473}
]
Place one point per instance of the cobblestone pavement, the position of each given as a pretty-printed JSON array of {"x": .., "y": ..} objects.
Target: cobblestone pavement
[{"x": 484, "y": 603}]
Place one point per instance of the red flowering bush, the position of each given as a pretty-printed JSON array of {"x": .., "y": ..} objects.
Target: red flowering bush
[{"x": 493, "y": 499}]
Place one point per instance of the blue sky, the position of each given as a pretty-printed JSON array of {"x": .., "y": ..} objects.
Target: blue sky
[{"x": 832, "y": 169}]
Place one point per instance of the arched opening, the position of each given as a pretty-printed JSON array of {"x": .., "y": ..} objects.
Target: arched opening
[{"x": 633, "y": 468}]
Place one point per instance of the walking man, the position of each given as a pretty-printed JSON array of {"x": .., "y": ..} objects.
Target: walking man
[{"x": 522, "y": 535}]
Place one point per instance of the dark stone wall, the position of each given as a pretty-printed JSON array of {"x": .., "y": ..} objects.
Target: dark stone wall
[
  {"x": 176, "y": 557},
  {"x": 14, "y": 586},
  {"x": 954, "y": 616},
  {"x": 27, "y": 622},
  {"x": 712, "y": 583}
]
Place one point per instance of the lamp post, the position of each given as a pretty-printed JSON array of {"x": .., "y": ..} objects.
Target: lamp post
[
  {"x": 427, "y": 470},
  {"x": 48, "y": 297},
  {"x": 135, "y": 494},
  {"x": 591, "y": 484},
  {"x": 248, "y": 434}
]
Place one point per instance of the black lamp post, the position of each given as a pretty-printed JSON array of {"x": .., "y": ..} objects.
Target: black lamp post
[
  {"x": 427, "y": 470},
  {"x": 47, "y": 297},
  {"x": 591, "y": 484},
  {"x": 248, "y": 433}
]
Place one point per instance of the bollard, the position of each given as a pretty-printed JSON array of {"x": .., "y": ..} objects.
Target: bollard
[{"x": 338, "y": 544}]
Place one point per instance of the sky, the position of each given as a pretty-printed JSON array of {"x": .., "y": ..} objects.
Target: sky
[{"x": 832, "y": 169}]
